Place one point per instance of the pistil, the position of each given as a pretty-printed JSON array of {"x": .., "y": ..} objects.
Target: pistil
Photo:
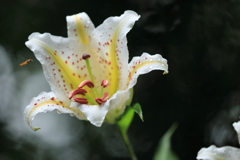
[{"x": 86, "y": 58}]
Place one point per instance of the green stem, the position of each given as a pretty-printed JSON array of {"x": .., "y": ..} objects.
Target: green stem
[{"x": 126, "y": 141}]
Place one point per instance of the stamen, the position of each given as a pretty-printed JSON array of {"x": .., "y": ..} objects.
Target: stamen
[
  {"x": 86, "y": 83},
  {"x": 102, "y": 100},
  {"x": 77, "y": 99},
  {"x": 80, "y": 100},
  {"x": 105, "y": 83},
  {"x": 77, "y": 91}
]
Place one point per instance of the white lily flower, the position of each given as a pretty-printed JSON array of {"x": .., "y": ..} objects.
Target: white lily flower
[
  {"x": 88, "y": 72},
  {"x": 222, "y": 153}
]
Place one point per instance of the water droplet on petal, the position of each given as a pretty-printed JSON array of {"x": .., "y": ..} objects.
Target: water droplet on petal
[{"x": 71, "y": 114}]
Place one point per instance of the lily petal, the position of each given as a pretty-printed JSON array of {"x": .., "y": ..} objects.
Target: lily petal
[
  {"x": 80, "y": 27},
  {"x": 46, "y": 102},
  {"x": 223, "y": 153},
  {"x": 61, "y": 59},
  {"x": 111, "y": 42},
  {"x": 143, "y": 65},
  {"x": 95, "y": 114}
]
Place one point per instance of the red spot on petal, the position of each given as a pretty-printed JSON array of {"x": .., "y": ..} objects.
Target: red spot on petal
[{"x": 52, "y": 98}]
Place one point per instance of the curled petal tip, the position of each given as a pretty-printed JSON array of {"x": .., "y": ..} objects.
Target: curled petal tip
[
  {"x": 165, "y": 72},
  {"x": 35, "y": 128}
]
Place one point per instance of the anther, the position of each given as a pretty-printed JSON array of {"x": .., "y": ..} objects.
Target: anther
[
  {"x": 77, "y": 91},
  {"x": 85, "y": 56},
  {"x": 105, "y": 83},
  {"x": 86, "y": 83},
  {"x": 102, "y": 100},
  {"x": 81, "y": 100}
]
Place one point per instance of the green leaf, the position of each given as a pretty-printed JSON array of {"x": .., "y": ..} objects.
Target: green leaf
[
  {"x": 164, "y": 151},
  {"x": 137, "y": 108},
  {"x": 126, "y": 119}
]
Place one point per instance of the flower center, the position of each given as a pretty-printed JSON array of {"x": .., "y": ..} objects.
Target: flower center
[{"x": 81, "y": 95}]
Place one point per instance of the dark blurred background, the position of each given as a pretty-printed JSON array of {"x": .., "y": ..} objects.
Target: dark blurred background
[{"x": 201, "y": 41}]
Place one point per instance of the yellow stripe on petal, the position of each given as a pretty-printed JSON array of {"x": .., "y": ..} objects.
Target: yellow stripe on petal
[
  {"x": 115, "y": 76},
  {"x": 145, "y": 64},
  {"x": 136, "y": 68},
  {"x": 114, "y": 63},
  {"x": 120, "y": 27},
  {"x": 81, "y": 33},
  {"x": 46, "y": 102},
  {"x": 67, "y": 73},
  {"x": 35, "y": 108}
]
